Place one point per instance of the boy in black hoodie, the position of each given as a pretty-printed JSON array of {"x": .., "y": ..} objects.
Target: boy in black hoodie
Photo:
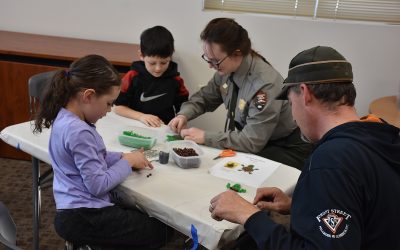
[
  {"x": 152, "y": 91},
  {"x": 347, "y": 194}
]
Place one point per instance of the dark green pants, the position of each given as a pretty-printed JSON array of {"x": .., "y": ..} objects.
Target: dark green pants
[{"x": 290, "y": 150}]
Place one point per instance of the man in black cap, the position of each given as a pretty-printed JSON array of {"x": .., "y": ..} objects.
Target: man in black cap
[{"x": 344, "y": 196}]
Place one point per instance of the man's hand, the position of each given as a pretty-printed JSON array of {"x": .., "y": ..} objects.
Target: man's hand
[
  {"x": 137, "y": 160},
  {"x": 193, "y": 134},
  {"x": 151, "y": 120},
  {"x": 273, "y": 199},
  {"x": 231, "y": 207},
  {"x": 178, "y": 123}
]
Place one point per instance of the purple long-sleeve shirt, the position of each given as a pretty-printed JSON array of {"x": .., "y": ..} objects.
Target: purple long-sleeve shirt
[{"x": 84, "y": 171}]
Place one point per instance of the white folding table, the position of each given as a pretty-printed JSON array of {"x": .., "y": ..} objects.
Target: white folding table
[{"x": 178, "y": 197}]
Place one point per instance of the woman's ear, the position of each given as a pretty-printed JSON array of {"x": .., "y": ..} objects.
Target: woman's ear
[{"x": 237, "y": 53}]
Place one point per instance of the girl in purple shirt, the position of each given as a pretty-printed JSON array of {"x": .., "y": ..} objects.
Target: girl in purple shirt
[{"x": 84, "y": 171}]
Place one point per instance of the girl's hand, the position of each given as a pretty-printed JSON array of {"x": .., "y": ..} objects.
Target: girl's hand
[
  {"x": 151, "y": 120},
  {"x": 137, "y": 160}
]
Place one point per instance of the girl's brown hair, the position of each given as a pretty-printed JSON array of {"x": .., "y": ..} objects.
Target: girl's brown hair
[{"x": 89, "y": 72}]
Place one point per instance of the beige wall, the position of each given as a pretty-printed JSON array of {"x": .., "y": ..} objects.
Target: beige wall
[{"x": 373, "y": 49}]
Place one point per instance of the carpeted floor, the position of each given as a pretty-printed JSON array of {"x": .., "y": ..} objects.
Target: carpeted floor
[{"x": 16, "y": 194}]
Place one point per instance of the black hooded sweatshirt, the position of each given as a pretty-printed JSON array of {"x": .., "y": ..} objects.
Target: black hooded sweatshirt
[
  {"x": 347, "y": 196},
  {"x": 161, "y": 96}
]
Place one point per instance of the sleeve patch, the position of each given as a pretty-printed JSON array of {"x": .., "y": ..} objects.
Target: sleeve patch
[
  {"x": 260, "y": 100},
  {"x": 333, "y": 223}
]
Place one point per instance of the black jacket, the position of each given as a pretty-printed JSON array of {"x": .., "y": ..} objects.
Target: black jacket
[
  {"x": 347, "y": 196},
  {"x": 161, "y": 96}
]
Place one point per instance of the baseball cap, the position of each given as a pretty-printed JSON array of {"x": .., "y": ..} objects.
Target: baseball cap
[{"x": 317, "y": 65}]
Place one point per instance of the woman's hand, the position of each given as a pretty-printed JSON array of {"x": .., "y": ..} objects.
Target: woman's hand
[
  {"x": 193, "y": 134},
  {"x": 178, "y": 123}
]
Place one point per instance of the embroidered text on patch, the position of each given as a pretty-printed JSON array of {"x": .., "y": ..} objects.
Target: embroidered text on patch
[{"x": 332, "y": 219}]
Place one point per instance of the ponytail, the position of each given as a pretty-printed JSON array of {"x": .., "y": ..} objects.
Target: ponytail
[
  {"x": 56, "y": 96},
  {"x": 88, "y": 72}
]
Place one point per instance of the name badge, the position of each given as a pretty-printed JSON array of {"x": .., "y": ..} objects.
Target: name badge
[{"x": 242, "y": 104}]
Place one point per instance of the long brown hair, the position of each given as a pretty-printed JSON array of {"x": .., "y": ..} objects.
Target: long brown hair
[
  {"x": 230, "y": 35},
  {"x": 89, "y": 72}
]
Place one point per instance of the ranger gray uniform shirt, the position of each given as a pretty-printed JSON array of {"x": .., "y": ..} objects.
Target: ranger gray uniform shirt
[{"x": 261, "y": 117}]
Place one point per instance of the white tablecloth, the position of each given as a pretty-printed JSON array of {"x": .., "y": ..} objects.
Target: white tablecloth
[{"x": 178, "y": 197}]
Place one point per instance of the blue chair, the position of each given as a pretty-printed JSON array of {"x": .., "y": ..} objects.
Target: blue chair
[{"x": 8, "y": 230}]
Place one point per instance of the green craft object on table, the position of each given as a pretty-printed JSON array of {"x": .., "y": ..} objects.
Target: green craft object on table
[
  {"x": 174, "y": 137},
  {"x": 133, "y": 134},
  {"x": 135, "y": 140},
  {"x": 236, "y": 187}
]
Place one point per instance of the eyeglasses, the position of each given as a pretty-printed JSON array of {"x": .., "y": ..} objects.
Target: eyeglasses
[{"x": 214, "y": 63}]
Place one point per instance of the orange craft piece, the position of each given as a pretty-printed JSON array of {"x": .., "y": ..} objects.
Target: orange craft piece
[{"x": 225, "y": 153}]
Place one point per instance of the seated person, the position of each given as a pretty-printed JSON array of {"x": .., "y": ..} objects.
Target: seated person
[
  {"x": 84, "y": 170},
  {"x": 245, "y": 83},
  {"x": 344, "y": 198},
  {"x": 152, "y": 91}
]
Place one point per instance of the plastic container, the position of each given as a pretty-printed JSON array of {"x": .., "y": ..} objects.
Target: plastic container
[
  {"x": 136, "y": 142},
  {"x": 185, "y": 161}
]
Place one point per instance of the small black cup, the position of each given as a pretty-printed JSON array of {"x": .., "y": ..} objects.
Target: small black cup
[{"x": 163, "y": 157}]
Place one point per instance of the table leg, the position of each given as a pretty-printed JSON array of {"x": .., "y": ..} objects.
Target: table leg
[{"x": 35, "y": 189}]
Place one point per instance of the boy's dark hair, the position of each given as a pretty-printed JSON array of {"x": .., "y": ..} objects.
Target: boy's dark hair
[
  {"x": 89, "y": 72},
  {"x": 157, "y": 41}
]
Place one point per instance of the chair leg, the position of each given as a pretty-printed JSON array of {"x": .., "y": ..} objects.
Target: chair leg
[{"x": 36, "y": 197}]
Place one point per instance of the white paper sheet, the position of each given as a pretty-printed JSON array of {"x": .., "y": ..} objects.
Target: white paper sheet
[{"x": 250, "y": 170}]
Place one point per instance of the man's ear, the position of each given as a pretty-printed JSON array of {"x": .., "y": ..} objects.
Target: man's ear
[
  {"x": 88, "y": 95},
  {"x": 307, "y": 95},
  {"x": 140, "y": 55}
]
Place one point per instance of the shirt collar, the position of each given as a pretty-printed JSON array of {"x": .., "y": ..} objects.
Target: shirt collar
[{"x": 241, "y": 73}]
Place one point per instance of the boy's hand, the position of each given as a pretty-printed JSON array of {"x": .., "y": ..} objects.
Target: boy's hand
[
  {"x": 137, "y": 160},
  {"x": 151, "y": 120}
]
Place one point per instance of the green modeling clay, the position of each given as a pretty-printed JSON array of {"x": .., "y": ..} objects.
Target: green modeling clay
[
  {"x": 236, "y": 187},
  {"x": 133, "y": 134},
  {"x": 174, "y": 138}
]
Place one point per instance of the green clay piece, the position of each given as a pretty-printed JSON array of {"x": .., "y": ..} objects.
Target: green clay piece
[
  {"x": 133, "y": 134},
  {"x": 236, "y": 187},
  {"x": 174, "y": 137}
]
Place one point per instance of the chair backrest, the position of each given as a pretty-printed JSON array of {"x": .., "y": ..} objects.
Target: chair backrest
[
  {"x": 36, "y": 84},
  {"x": 8, "y": 231}
]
